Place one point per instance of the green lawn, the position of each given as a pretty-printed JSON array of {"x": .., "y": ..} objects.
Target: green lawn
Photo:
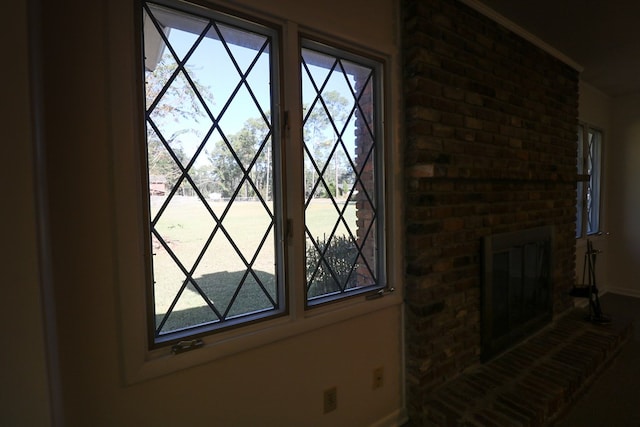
[{"x": 186, "y": 225}]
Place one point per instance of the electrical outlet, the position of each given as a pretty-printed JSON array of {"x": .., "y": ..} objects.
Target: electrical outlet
[
  {"x": 378, "y": 378},
  {"x": 330, "y": 399}
]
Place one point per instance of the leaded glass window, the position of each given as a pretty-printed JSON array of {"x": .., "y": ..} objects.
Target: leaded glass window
[
  {"x": 342, "y": 167},
  {"x": 212, "y": 172},
  {"x": 589, "y": 173},
  {"x": 215, "y": 155}
]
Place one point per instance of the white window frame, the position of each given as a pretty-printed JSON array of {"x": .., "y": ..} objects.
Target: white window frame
[{"x": 142, "y": 363}]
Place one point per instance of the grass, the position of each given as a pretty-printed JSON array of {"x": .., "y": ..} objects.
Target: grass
[{"x": 186, "y": 225}]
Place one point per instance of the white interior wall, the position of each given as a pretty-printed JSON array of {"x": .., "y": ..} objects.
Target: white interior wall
[
  {"x": 624, "y": 198},
  {"x": 619, "y": 118},
  {"x": 24, "y": 388},
  {"x": 594, "y": 109},
  {"x": 277, "y": 384}
]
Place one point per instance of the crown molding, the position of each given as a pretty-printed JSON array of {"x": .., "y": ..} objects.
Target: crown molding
[{"x": 517, "y": 29}]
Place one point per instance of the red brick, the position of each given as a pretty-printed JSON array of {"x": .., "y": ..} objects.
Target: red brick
[{"x": 490, "y": 147}]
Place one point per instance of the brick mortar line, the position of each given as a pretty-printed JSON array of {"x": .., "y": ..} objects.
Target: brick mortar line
[{"x": 576, "y": 333}]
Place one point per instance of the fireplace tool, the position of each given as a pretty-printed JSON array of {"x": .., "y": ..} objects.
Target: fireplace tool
[{"x": 589, "y": 288}]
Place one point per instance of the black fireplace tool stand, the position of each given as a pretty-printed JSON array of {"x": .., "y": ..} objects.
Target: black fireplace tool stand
[{"x": 589, "y": 289}]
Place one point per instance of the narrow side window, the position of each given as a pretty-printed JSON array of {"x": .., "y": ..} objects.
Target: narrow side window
[
  {"x": 343, "y": 169},
  {"x": 589, "y": 181}
]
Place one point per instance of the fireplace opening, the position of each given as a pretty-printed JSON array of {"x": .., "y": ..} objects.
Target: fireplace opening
[{"x": 516, "y": 287}]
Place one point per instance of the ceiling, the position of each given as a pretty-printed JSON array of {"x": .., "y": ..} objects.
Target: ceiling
[{"x": 603, "y": 36}]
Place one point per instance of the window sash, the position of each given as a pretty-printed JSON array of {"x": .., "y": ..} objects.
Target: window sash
[
  {"x": 212, "y": 308},
  {"x": 348, "y": 259},
  {"x": 589, "y": 184}
]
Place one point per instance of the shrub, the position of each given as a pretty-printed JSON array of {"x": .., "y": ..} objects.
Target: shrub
[{"x": 336, "y": 270}]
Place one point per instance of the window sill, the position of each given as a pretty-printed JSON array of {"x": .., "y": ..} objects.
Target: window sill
[{"x": 150, "y": 364}]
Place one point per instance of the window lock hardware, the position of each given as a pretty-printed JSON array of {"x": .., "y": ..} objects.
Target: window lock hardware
[
  {"x": 184, "y": 346},
  {"x": 380, "y": 293}
]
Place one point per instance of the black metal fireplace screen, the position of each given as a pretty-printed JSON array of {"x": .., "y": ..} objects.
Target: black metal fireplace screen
[{"x": 516, "y": 290}]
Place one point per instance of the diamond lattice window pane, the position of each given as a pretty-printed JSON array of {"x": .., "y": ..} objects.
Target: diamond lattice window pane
[
  {"x": 164, "y": 171},
  {"x": 247, "y": 224},
  {"x": 182, "y": 222},
  {"x": 320, "y": 218},
  {"x": 190, "y": 310},
  {"x": 179, "y": 117},
  {"x": 339, "y": 174},
  {"x": 210, "y": 141},
  {"x": 251, "y": 297},
  {"x": 220, "y": 272},
  {"x": 168, "y": 277}
]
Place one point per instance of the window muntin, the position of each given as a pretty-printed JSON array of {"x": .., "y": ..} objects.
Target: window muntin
[
  {"x": 342, "y": 133},
  {"x": 214, "y": 156},
  {"x": 211, "y": 150},
  {"x": 589, "y": 185}
]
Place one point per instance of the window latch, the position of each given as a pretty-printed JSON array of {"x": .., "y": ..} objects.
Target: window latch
[
  {"x": 380, "y": 293},
  {"x": 184, "y": 346}
]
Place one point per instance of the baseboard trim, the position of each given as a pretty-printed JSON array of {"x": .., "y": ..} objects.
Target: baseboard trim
[
  {"x": 395, "y": 419},
  {"x": 627, "y": 292}
]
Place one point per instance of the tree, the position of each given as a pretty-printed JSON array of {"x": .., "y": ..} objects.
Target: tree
[
  {"x": 160, "y": 162},
  {"x": 246, "y": 143},
  {"x": 179, "y": 100},
  {"x": 202, "y": 177},
  {"x": 171, "y": 112},
  {"x": 320, "y": 138}
]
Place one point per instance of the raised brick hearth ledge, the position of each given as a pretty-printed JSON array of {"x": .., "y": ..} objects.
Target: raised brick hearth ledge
[{"x": 532, "y": 384}]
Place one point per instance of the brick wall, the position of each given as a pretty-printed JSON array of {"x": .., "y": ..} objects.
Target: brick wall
[
  {"x": 490, "y": 147},
  {"x": 364, "y": 162}
]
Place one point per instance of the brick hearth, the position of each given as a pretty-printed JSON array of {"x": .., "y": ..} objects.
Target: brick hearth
[{"x": 532, "y": 384}]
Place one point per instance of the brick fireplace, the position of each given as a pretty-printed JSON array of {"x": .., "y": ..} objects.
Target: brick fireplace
[{"x": 490, "y": 123}]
